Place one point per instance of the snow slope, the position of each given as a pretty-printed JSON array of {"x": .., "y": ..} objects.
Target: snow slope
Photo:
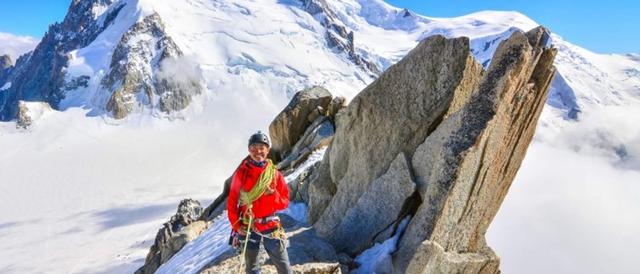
[{"x": 84, "y": 193}]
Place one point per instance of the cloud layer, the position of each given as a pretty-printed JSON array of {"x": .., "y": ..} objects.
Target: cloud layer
[
  {"x": 569, "y": 212},
  {"x": 15, "y": 45}
]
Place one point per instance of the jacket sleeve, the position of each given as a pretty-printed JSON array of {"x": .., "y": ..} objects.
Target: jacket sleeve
[
  {"x": 232, "y": 201},
  {"x": 282, "y": 192}
]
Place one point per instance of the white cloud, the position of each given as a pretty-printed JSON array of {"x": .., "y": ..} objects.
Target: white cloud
[
  {"x": 15, "y": 45},
  {"x": 569, "y": 212},
  {"x": 605, "y": 132}
]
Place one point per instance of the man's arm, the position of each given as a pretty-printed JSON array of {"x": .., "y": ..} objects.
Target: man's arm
[
  {"x": 282, "y": 192},
  {"x": 232, "y": 201}
]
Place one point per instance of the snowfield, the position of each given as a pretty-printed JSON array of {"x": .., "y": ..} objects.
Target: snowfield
[{"x": 81, "y": 192}]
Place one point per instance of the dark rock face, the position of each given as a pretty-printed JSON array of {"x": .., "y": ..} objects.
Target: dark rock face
[
  {"x": 337, "y": 35},
  {"x": 39, "y": 76},
  {"x": 463, "y": 133},
  {"x": 135, "y": 78},
  {"x": 135, "y": 61},
  {"x": 6, "y": 64},
  {"x": 174, "y": 234}
]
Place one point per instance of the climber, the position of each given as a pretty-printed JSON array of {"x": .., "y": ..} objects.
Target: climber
[{"x": 257, "y": 191}]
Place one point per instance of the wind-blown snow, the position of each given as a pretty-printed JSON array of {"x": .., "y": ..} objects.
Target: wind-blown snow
[
  {"x": 83, "y": 193},
  {"x": 5, "y": 86}
]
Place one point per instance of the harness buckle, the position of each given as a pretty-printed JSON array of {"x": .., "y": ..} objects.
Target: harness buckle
[{"x": 267, "y": 219}]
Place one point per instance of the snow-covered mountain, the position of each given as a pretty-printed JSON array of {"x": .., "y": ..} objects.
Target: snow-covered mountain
[{"x": 153, "y": 100}]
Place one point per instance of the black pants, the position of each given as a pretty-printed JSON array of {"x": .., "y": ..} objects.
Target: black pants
[{"x": 276, "y": 249}]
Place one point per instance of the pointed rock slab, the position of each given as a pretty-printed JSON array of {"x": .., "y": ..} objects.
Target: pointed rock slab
[
  {"x": 289, "y": 126},
  {"x": 392, "y": 115},
  {"x": 377, "y": 209},
  {"x": 465, "y": 167}
]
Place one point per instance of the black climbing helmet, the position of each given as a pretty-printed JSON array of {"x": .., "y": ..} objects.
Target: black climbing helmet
[{"x": 259, "y": 137}]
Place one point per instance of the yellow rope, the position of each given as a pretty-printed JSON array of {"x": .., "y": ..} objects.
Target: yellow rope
[
  {"x": 244, "y": 249},
  {"x": 247, "y": 198}
]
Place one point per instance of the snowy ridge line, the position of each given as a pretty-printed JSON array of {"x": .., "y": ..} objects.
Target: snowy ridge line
[{"x": 196, "y": 254}]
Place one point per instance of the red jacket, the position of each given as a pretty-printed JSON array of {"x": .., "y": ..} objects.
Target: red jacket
[{"x": 245, "y": 176}]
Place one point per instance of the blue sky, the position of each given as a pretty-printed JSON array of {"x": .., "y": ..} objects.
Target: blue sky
[{"x": 600, "y": 26}]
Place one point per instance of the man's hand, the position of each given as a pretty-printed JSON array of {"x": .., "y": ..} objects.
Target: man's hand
[
  {"x": 270, "y": 190},
  {"x": 242, "y": 231}
]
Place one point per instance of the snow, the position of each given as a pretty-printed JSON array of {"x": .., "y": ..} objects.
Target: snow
[
  {"x": 87, "y": 193},
  {"x": 6, "y": 86},
  {"x": 377, "y": 259},
  {"x": 297, "y": 211},
  {"x": 100, "y": 192},
  {"x": 199, "y": 252},
  {"x": 313, "y": 158},
  {"x": 37, "y": 110},
  {"x": 213, "y": 243}
]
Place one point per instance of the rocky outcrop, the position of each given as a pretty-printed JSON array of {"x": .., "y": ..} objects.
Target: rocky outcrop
[
  {"x": 40, "y": 75},
  {"x": 463, "y": 133},
  {"x": 133, "y": 80},
  {"x": 6, "y": 63},
  {"x": 337, "y": 35},
  {"x": 288, "y": 126},
  {"x": 29, "y": 112},
  {"x": 182, "y": 228},
  {"x": 482, "y": 145},
  {"x": 392, "y": 115}
]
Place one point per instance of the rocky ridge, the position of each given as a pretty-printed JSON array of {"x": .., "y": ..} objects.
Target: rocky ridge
[
  {"x": 436, "y": 137},
  {"x": 40, "y": 75},
  {"x": 135, "y": 77},
  {"x": 337, "y": 34}
]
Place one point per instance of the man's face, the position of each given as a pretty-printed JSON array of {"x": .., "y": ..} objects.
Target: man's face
[{"x": 258, "y": 152}]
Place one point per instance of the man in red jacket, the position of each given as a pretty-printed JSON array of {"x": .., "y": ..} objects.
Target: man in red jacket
[{"x": 257, "y": 191}]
